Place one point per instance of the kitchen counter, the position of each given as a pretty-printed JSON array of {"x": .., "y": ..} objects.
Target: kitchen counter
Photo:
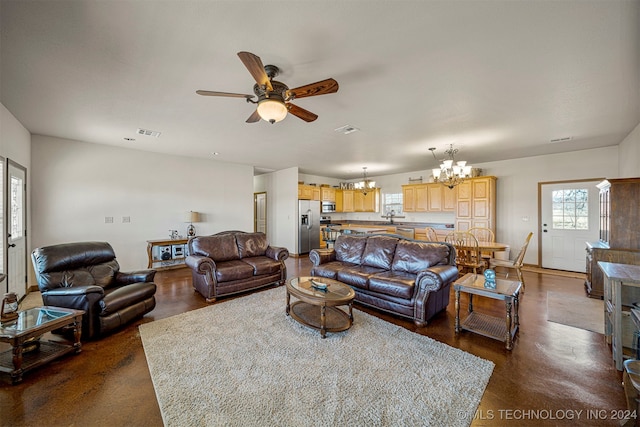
[{"x": 414, "y": 225}]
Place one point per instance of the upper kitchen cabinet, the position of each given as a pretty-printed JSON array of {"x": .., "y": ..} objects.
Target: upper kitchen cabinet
[
  {"x": 431, "y": 197},
  {"x": 327, "y": 194},
  {"x": 476, "y": 203},
  {"x": 367, "y": 203},
  {"x": 308, "y": 192}
]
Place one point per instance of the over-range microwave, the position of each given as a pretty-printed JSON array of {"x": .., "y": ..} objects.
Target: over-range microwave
[{"x": 328, "y": 207}]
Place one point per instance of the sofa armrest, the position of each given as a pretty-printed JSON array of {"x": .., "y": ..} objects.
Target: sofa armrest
[
  {"x": 277, "y": 253},
  {"x": 75, "y": 290},
  {"x": 432, "y": 278},
  {"x": 200, "y": 264},
  {"x": 76, "y": 297},
  {"x": 129, "y": 277},
  {"x": 322, "y": 256}
]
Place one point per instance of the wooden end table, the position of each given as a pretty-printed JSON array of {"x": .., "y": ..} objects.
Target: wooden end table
[
  {"x": 502, "y": 329},
  {"x": 26, "y": 331},
  {"x": 317, "y": 308}
]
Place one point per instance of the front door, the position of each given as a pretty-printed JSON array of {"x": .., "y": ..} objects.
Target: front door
[
  {"x": 569, "y": 219},
  {"x": 16, "y": 229}
]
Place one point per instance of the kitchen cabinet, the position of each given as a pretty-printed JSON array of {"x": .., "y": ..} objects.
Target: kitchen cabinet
[
  {"x": 476, "y": 203},
  {"x": 327, "y": 194},
  {"x": 367, "y": 203},
  {"x": 308, "y": 192},
  {"x": 431, "y": 197},
  {"x": 345, "y": 201}
]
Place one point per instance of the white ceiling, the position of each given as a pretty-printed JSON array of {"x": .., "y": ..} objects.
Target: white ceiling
[{"x": 498, "y": 79}]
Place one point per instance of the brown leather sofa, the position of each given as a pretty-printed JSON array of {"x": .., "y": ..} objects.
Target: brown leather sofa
[
  {"x": 86, "y": 276},
  {"x": 402, "y": 276},
  {"x": 234, "y": 261}
]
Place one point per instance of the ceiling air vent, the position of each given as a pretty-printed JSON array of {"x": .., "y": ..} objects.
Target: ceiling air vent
[
  {"x": 566, "y": 138},
  {"x": 347, "y": 129},
  {"x": 148, "y": 132}
]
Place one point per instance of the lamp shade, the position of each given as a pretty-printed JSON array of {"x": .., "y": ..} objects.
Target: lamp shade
[
  {"x": 192, "y": 216},
  {"x": 272, "y": 110}
]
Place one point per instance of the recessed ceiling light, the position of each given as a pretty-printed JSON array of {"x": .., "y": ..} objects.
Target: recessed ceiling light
[
  {"x": 129, "y": 139},
  {"x": 215, "y": 153},
  {"x": 563, "y": 139},
  {"x": 347, "y": 129},
  {"x": 148, "y": 132}
]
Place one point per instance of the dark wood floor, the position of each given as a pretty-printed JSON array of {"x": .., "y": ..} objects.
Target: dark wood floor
[{"x": 554, "y": 371}]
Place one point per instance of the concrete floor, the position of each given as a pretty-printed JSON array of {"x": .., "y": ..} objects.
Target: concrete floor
[{"x": 555, "y": 375}]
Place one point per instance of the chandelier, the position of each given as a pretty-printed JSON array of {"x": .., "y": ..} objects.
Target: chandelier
[
  {"x": 450, "y": 174},
  {"x": 366, "y": 184}
]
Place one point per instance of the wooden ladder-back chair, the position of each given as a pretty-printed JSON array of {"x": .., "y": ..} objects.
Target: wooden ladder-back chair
[
  {"x": 484, "y": 234},
  {"x": 468, "y": 257},
  {"x": 431, "y": 234},
  {"x": 516, "y": 264}
]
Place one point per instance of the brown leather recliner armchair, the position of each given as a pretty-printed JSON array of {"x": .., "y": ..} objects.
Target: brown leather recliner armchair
[{"x": 86, "y": 276}]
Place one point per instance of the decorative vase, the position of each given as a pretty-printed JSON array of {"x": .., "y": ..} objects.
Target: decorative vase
[{"x": 489, "y": 279}]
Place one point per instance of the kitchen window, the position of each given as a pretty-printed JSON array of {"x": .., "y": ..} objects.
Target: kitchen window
[{"x": 392, "y": 202}]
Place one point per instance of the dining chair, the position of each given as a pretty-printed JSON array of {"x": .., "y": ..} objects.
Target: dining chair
[
  {"x": 484, "y": 234},
  {"x": 516, "y": 264},
  {"x": 431, "y": 234},
  {"x": 468, "y": 257}
]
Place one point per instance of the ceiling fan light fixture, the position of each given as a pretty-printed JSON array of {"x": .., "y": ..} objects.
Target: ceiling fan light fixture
[{"x": 272, "y": 110}]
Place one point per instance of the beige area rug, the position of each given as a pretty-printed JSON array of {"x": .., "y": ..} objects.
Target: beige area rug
[
  {"x": 243, "y": 362},
  {"x": 578, "y": 311}
]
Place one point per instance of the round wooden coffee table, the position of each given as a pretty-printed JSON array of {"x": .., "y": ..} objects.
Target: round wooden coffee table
[{"x": 317, "y": 307}]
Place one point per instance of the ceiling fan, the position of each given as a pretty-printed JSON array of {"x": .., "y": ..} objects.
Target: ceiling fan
[{"x": 274, "y": 97}]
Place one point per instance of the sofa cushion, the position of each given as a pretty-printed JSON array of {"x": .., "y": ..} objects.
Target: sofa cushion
[
  {"x": 412, "y": 257},
  {"x": 233, "y": 270},
  {"x": 379, "y": 251},
  {"x": 251, "y": 244},
  {"x": 357, "y": 275},
  {"x": 329, "y": 270},
  {"x": 262, "y": 265},
  {"x": 218, "y": 248},
  {"x": 350, "y": 248},
  {"x": 393, "y": 283}
]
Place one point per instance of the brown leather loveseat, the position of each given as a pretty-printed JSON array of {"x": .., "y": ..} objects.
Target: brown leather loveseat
[
  {"x": 402, "y": 276},
  {"x": 86, "y": 276},
  {"x": 234, "y": 261}
]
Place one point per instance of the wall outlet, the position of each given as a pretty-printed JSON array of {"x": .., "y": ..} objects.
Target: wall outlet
[
  {"x": 108, "y": 220},
  {"x": 126, "y": 219}
]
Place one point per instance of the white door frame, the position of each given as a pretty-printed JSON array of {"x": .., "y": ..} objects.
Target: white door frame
[
  {"x": 540, "y": 225},
  {"x": 16, "y": 282}
]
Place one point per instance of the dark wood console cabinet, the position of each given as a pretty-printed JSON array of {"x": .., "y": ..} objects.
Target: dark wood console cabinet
[{"x": 619, "y": 230}]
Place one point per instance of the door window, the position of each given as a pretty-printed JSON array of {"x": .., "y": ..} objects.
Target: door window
[{"x": 570, "y": 209}]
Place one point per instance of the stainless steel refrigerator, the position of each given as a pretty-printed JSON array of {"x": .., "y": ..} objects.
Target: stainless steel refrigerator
[{"x": 308, "y": 225}]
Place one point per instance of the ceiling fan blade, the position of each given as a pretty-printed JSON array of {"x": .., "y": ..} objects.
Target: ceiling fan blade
[
  {"x": 256, "y": 68},
  {"x": 255, "y": 117},
  {"x": 318, "y": 88},
  {"x": 301, "y": 113},
  {"x": 231, "y": 95}
]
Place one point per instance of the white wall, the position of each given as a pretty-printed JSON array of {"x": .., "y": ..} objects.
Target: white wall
[
  {"x": 77, "y": 184},
  {"x": 282, "y": 205},
  {"x": 630, "y": 155}
]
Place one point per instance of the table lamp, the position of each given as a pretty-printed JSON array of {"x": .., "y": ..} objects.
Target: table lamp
[{"x": 192, "y": 217}]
